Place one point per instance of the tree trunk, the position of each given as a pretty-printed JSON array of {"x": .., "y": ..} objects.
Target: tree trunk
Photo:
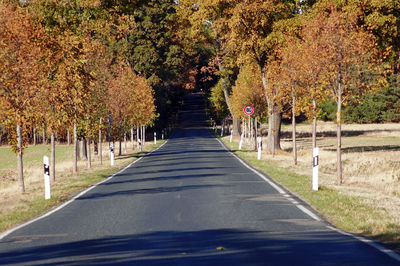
[
  {"x": 143, "y": 135},
  {"x": 100, "y": 146},
  {"x": 44, "y": 134},
  {"x": 95, "y": 148},
  {"x": 20, "y": 163},
  {"x": 125, "y": 151},
  {"x": 82, "y": 149},
  {"x": 132, "y": 139},
  {"x": 75, "y": 166},
  {"x": 339, "y": 137},
  {"x": 314, "y": 124},
  {"x": 120, "y": 142},
  {"x": 138, "y": 138},
  {"x": 68, "y": 137},
  {"x": 53, "y": 159},
  {"x": 89, "y": 156},
  {"x": 255, "y": 133},
  {"x": 236, "y": 126},
  {"x": 34, "y": 137},
  {"x": 294, "y": 129},
  {"x": 274, "y": 129},
  {"x": 274, "y": 118}
]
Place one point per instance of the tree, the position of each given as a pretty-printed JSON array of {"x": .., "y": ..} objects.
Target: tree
[
  {"x": 290, "y": 77},
  {"x": 248, "y": 90},
  {"x": 351, "y": 63},
  {"x": 131, "y": 99},
  {"x": 254, "y": 35},
  {"x": 23, "y": 66},
  {"x": 311, "y": 68}
]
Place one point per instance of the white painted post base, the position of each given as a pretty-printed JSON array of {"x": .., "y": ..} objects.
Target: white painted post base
[
  {"x": 315, "y": 169},
  {"x": 47, "y": 193},
  {"x": 259, "y": 147},
  {"x": 112, "y": 154},
  {"x": 241, "y": 142}
]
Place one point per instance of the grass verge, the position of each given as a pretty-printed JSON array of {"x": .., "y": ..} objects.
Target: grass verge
[{"x": 350, "y": 213}]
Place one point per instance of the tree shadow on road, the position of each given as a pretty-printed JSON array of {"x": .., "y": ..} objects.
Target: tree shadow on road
[{"x": 202, "y": 247}]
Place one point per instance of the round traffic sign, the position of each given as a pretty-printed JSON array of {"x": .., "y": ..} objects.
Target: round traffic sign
[{"x": 248, "y": 110}]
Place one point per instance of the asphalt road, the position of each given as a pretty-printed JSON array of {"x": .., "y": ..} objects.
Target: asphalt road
[{"x": 189, "y": 203}]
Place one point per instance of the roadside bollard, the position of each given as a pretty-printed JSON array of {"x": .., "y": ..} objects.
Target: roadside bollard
[
  {"x": 47, "y": 194},
  {"x": 315, "y": 169},
  {"x": 112, "y": 154},
  {"x": 241, "y": 142}
]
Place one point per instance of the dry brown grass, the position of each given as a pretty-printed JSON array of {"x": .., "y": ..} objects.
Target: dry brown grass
[{"x": 371, "y": 164}]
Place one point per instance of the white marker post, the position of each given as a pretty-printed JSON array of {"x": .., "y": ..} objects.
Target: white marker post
[
  {"x": 155, "y": 138},
  {"x": 162, "y": 134},
  {"x": 112, "y": 154},
  {"x": 241, "y": 142},
  {"x": 259, "y": 148},
  {"x": 47, "y": 194},
  {"x": 230, "y": 139},
  {"x": 315, "y": 169},
  {"x": 140, "y": 145}
]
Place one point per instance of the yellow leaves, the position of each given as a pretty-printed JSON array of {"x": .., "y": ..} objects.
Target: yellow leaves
[
  {"x": 130, "y": 97},
  {"x": 248, "y": 89}
]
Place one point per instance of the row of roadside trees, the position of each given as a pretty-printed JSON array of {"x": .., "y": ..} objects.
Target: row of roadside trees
[
  {"x": 63, "y": 67},
  {"x": 295, "y": 55}
]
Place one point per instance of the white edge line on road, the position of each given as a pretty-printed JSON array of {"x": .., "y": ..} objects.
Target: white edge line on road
[
  {"x": 391, "y": 253},
  {"x": 6, "y": 233}
]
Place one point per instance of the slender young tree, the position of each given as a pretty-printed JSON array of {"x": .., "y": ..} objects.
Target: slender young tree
[
  {"x": 22, "y": 71},
  {"x": 351, "y": 63}
]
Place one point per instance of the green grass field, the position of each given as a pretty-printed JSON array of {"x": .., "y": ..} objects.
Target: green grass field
[{"x": 33, "y": 155}]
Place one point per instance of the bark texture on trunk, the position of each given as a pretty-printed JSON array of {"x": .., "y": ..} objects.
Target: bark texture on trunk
[
  {"x": 236, "y": 121},
  {"x": 34, "y": 137},
  {"x": 294, "y": 146},
  {"x": 53, "y": 159},
  {"x": 68, "y": 137},
  {"x": 274, "y": 129},
  {"x": 100, "y": 146},
  {"x": 274, "y": 119},
  {"x": 236, "y": 126},
  {"x": 21, "y": 182},
  {"x": 143, "y": 135},
  {"x": 75, "y": 165},
  {"x": 44, "y": 134},
  {"x": 89, "y": 161},
  {"x": 132, "y": 139},
  {"x": 314, "y": 124},
  {"x": 83, "y": 149},
  {"x": 339, "y": 139},
  {"x": 125, "y": 145}
]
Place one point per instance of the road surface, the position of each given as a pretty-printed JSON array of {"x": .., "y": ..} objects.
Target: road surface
[{"x": 191, "y": 202}]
